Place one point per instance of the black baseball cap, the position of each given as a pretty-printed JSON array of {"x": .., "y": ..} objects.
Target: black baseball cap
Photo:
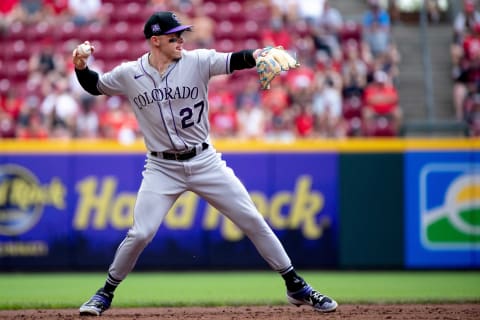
[{"x": 163, "y": 22}]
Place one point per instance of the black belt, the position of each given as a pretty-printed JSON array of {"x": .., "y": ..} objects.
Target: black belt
[{"x": 179, "y": 156}]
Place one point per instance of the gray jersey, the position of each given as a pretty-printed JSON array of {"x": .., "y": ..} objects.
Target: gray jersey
[{"x": 172, "y": 110}]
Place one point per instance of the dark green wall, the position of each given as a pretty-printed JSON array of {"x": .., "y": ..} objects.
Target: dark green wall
[{"x": 371, "y": 210}]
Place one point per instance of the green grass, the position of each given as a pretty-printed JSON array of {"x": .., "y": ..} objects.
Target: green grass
[{"x": 69, "y": 290}]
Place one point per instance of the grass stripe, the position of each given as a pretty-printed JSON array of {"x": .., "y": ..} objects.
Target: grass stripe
[{"x": 69, "y": 290}]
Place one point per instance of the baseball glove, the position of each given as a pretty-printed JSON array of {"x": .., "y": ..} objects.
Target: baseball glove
[{"x": 270, "y": 62}]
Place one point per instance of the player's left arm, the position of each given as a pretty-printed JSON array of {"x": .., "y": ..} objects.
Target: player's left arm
[{"x": 244, "y": 59}]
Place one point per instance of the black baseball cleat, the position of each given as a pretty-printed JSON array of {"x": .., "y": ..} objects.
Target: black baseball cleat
[
  {"x": 97, "y": 304},
  {"x": 310, "y": 297}
]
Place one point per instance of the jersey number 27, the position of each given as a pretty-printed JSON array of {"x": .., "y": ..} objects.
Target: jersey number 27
[{"x": 187, "y": 114}]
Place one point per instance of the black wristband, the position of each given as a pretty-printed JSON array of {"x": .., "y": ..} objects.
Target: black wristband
[{"x": 242, "y": 60}]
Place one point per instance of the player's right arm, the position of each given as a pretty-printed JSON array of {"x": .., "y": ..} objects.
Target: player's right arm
[{"x": 87, "y": 78}]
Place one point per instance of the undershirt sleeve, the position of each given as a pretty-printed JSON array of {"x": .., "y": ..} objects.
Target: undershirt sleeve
[
  {"x": 88, "y": 79},
  {"x": 242, "y": 60}
]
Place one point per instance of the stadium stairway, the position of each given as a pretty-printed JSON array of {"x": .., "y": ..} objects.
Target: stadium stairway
[
  {"x": 414, "y": 73},
  {"x": 411, "y": 83}
]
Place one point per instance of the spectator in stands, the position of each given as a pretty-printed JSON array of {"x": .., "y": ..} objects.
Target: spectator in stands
[
  {"x": 389, "y": 62},
  {"x": 279, "y": 120},
  {"x": 10, "y": 105},
  {"x": 222, "y": 113},
  {"x": 118, "y": 122},
  {"x": 28, "y": 11},
  {"x": 328, "y": 27},
  {"x": 250, "y": 95},
  {"x": 327, "y": 108},
  {"x": 31, "y": 124},
  {"x": 182, "y": 7},
  {"x": 251, "y": 121},
  {"x": 60, "y": 108},
  {"x": 87, "y": 121},
  {"x": 376, "y": 28},
  {"x": 57, "y": 10},
  {"x": 45, "y": 60},
  {"x": 354, "y": 70},
  {"x": 310, "y": 11},
  {"x": 465, "y": 20},
  {"x": 434, "y": 10},
  {"x": 277, "y": 34},
  {"x": 287, "y": 9},
  {"x": 468, "y": 70},
  {"x": 203, "y": 35},
  {"x": 304, "y": 120},
  {"x": 6, "y": 18},
  {"x": 471, "y": 112},
  {"x": 86, "y": 11},
  {"x": 300, "y": 83},
  {"x": 305, "y": 48},
  {"x": 331, "y": 68},
  {"x": 7, "y": 125},
  {"x": 224, "y": 121},
  {"x": 463, "y": 25},
  {"x": 129, "y": 130},
  {"x": 381, "y": 109}
]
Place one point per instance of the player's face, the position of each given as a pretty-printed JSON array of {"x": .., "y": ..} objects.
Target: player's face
[{"x": 172, "y": 45}]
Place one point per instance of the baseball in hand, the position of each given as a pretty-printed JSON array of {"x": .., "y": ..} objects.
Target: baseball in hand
[{"x": 85, "y": 49}]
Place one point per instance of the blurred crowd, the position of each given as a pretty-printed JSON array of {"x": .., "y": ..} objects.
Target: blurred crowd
[
  {"x": 346, "y": 84},
  {"x": 465, "y": 55}
]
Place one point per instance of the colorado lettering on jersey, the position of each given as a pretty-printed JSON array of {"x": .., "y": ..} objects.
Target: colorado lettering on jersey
[{"x": 162, "y": 94}]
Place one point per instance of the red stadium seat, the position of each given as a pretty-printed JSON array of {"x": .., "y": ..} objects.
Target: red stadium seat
[
  {"x": 259, "y": 13},
  {"x": 224, "y": 30},
  {"x": 16, "y": 31},
  {"x": 119, "y": 30},
  {"x": 231, "y": 11},
  {"x": 127, "y": 12},
  {"x": 352, "y": 113},
  {"x": 209, "y": 8},
  {"x": 352, "y": 107},
  {"x": 95, "y": 31},
  {"x": 225, "y": 45},
  {"x": 354, "y": 127},
  {"x": 383, "y": 127},
  {"x": 351, "y": 30},
  {"x": 16, "y": 71},
  {"x": 66, "y": 31},
  {"x": 251, "y": 43},
  {"x": 245, "y": 29},
  {"x": 19, "y": 50},
  {"x": 138, "y": 48},
  {"x": 40, "y": 31}
]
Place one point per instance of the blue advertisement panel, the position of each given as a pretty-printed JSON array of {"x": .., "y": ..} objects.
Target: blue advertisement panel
[
  {"x": 442, "y": 226},
  {"x": 70, "y": 211}
]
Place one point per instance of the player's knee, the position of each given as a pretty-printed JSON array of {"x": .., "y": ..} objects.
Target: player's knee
[
  {"x": 143, "y": 237},
  {"x": 253, "y": 224}
]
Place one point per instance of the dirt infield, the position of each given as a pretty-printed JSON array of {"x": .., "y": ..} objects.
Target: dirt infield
[{"x": 345, "y": 312}]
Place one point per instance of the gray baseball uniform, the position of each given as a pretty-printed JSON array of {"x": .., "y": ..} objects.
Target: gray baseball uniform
[{"x": 172, "y": 111}]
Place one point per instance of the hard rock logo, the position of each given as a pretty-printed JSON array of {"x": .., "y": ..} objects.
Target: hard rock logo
[{"x": 22, "y": 199}]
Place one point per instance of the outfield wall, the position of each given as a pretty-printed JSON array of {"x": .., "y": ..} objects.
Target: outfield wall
[{"x": 340, "y": 204}]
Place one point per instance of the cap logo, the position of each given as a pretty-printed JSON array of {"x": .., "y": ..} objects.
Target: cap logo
[
  {"x": 174, "y": 16},
  {"x": 156, "y": 28}
]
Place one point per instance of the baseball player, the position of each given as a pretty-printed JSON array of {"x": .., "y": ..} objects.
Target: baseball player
[{"x": 167, "y": 89}]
